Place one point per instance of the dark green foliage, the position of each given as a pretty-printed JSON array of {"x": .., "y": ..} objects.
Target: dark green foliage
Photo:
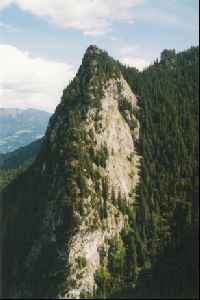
[
  {"x": 130, "y": 268},
  {"x": 124, "y": 105},
  {"x": 105, "y": 195},
  {"x": 167, "y": 205},
  {"x": 168, "y": 58},
  {"x": 16, "y": 158},
  {"x": 97, "y": 67},
  {"x": 111, "y": 276},
  {"x": 7, "y": 177},
  {"x": 163, "y": 281},
  {"x": 81, "y": 261},
  {"x": 101, "y": 156},
  {"x": 19, "y": 227},
  {"x": 102, "y": 278},
  {"x": 48, "y": 267},
  {"x": 160, "y": 243},
  {"x": 86, "y": 295},
  {"x": 122, "y": 204},
  {"x": 116, "y": 258},
  {"x": 59, "y": 175}
]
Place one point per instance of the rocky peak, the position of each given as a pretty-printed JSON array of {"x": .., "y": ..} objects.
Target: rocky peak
[
  {"x": 88, "y": 169},
  {"x": 93, "y": 49},
  {"x": 99, "y": 63},
  {"x": 114, "y": 129},
  {"x": 167, "y": 58},
  {"x": 90, "y": 149}
]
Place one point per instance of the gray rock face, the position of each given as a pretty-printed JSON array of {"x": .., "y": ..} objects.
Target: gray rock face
[
  {"x": 122, "y": 175},
  {"x": 90, "y": 163},
  {"x": 114, "y": 131}
]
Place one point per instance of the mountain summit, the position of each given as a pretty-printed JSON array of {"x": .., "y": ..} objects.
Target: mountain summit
[
  {"x": 87, "y": 217},
  {"x": 89, "y": 150},
  {"x": 83, "y": 186}
]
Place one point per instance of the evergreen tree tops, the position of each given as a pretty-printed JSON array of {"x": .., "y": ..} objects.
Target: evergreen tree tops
[
  {"x": 167, "y": 58},
  {"x": 100, "y": 62},
  {"x": 166, "y": 211},
  {"x": 84, "y": 92},
  {"x": 87, "y": 88}
]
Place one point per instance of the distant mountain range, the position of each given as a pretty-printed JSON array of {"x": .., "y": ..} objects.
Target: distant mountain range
[{"x": 19, "y": 128}]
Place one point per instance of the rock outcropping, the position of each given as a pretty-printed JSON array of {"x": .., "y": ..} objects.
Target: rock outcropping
[
  {"x": 121, "y": 171},
  {"x": 83, "y": 183}
]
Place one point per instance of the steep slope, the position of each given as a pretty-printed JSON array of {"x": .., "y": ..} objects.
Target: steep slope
[
  {"x": 77, "y": 196},
  {"x": 16, "y": 158},
  {"x": 80, "y": 221},
  {"x": 119, "y": 174},
  {"x": 168, "y": 208},
  {"x": 19, "y": 127}
]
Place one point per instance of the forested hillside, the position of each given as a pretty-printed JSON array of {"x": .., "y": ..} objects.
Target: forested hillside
[
  {"x": 167, "y": 206},
  {"x": 16, "y": 158},
  {"x": 66, "y": 191},
  {"x": 72, "y": 193},
  {"x": 16, "y": 162}
]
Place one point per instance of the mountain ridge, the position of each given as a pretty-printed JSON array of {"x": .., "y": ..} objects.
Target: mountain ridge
[
  {"x": 16, "y": 158},
  {"x": 96, "y": 227},
  {"x": 79, "y": 177},
  {"x": 98, "y": 85}
]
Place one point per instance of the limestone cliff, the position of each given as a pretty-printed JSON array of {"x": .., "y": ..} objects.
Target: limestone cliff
[
  {"x": 84, "y": 183},
  {"x": 121, "y": 173}
]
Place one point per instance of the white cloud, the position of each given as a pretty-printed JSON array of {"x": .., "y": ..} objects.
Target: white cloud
[
  {"x": 128, "y": 49},
  {"x": 4, "y": 3},
  {"x": 27, "y": 81},
  {"x": 130, "y": 56},
  {"x": 93, "y": 17},
  {"x": 136, "y": 62},
  {"x": 179, "y": 14},
  {"x": 113, "y": 38}
]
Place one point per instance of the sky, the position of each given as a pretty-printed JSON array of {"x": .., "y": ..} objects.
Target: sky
[{"x": 42, "y": 42}]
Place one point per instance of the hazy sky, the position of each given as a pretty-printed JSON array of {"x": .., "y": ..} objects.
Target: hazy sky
[{"x": 42, "y": 41}]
